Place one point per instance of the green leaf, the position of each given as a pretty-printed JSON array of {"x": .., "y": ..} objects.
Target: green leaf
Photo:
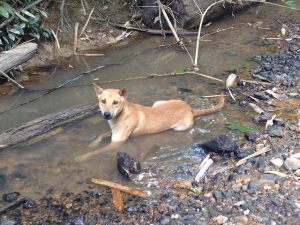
[
  {"x": 12, "y": 36},
  {"x": 260, "y": 77},
  {"x": 19, "y": 28},
  {"x": 20, "y": 16},
  {"x": 290, "y": 3},
  {"x": 35, "y": 35},
  {"x": 4, "y": 12},
  {"x": 195, "y": 190},
  {"x": 181, "y": 70},
  {"x": 15, "y": 31},
  {"x": 28, "y": 13},
  {"x": 5, "y": 39},
  {"x": 7, "y": 7},
  {"x": 240, "y": 127},
  {"x": 44, "y": 13}
]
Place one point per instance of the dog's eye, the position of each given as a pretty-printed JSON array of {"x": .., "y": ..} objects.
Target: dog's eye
[
  {"x": 115, "y": 102},
  {"x": 103, "y": 101}
]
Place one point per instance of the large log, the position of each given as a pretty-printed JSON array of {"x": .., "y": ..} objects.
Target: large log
[
  {"x": 45, "y": 124},
  {"x": 17, "y": 56}
]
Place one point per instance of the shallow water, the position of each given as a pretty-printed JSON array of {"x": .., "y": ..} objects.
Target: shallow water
[{"x": 48, "y": 166}]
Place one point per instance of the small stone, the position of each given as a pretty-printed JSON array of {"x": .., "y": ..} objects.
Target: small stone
[
  {"x": 241, "y": 220},
  {"x": 277, "y": 162},
  {"x": 4, "y": 221},
  {"x": 262, "y": 119},
  {"x": 253, "y": 184},
  {"x": 276, "y": 131},
  {"x": 261, "y": 96},
  {"x": 252, "y": 135},
  {"x": 165, "y": 220},
  {"x": 217, "y": 195},
  {"x": 10, "y": 197},
  {"x": 127, "y": 165},
  {"x": 221, "y": 145},
  {"x": 174, "y": 216},
  {"x": 243, "y": 103},
  {"x": 29, "y": 204},
  {"x": 293, "y": 163},
  {"x": 212, "y": 212},
  {"x": 239, "y": 203},
  {"x": 243, "y": 153},
  {"x": 246, "y": 212},
  {"x": 220, "y": 219}
]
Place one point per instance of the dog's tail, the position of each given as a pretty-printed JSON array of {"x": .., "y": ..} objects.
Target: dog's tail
[{"x": 218, "y": 107}]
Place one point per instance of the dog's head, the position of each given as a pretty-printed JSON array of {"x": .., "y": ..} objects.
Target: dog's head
[{"x": 111, "y": 101}]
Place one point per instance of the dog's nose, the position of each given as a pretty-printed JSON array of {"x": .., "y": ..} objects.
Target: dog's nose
[{"x": 107, "y": 115}]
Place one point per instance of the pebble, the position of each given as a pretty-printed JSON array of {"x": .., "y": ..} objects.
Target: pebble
[
  {"x": 29, "y": 204},
  {"x": 252, "y": 135},
  {"x": 276, "y": 131},
  {"x": 4, "y": 221},
  {"x": 218, "y": 195},
  {"x": 292, "y": 163},
  {"x": 277, "y": 162},
  {"x": 246, "y": 212},
  {"x": 243, "y": 103},
  {"x": 220, "y": 219},
  {"x": 254, "y": 184},
  {"x": 212, "y": 212},
  {"x": 10, "y": 197}
]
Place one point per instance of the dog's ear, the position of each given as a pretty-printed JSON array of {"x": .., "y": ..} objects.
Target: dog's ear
[
  {"x": 123, "y": 92},
  {"x": 97, "y": 89}
]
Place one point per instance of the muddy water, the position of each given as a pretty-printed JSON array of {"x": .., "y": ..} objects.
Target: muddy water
[{"x": 48, "y": 166}]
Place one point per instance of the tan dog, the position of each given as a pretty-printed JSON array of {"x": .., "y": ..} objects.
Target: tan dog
[{"x": 129, "y": 119}]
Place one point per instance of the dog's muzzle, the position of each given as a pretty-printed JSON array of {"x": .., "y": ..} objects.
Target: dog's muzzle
[{"x": 107, "y": 115}]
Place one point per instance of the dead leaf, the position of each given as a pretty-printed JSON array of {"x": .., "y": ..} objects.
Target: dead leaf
[
  {"x": 270, "y": 92},
  {"x": 283, "y": 31},
  {"x": 231, "y": 80}
]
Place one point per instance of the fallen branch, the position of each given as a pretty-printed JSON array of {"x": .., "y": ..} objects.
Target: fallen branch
[
  {"x": 56, "y": 39},
  {"x": 256, "y": 82},
  {"x": 45, "y": 124},
  {"x": 262, "y": 151},
  {"x": 12, "y": 58},
  {"x": 116, "y": 190}
]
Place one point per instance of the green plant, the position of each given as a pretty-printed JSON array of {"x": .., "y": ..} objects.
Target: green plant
[{"x": 21, "y": 21}]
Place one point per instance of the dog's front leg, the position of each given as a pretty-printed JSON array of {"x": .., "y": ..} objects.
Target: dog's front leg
[
  {"x": 100, "y": 138},
  {"x": 112, "y": 145}
]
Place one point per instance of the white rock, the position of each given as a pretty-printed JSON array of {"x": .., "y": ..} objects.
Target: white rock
[
  {"x": 246, "y": 212},
  {"x": 293, "y": 163},
  {"x": 277, "y": 162},
  {"x": 221, "y": 219}
]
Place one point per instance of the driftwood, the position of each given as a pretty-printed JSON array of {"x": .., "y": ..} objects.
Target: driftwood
[
  {"x": 15, "y": 57},
  {"x": 45, "y": 124},
  {"x": 116, "y": 190}
]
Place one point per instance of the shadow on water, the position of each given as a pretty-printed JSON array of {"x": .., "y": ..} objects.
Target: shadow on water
[{"x": 48, "y": 166}]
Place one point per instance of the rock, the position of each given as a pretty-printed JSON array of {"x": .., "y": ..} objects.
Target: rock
[
  {"x": 185, "y": 12},
  {"x": 241, "y": 220},
  {"x": 127, "y": 165},
  {"x": 218, "y": 195},
  {"x": 260, "y": 165},
  {"x": 10, "y": 197},
  {"x": 220, "y": 219},
  {"x": 252, "y": 135},
  {"x": 243, "y": 103},
  {"x": 276, "y": 131},
  {"x": 253, "y": 185},
  {"x": 261, "y": 119},
  {"x": 277, "y": 162},
  {"x": 261, "y": 95},
  {"x": 212, "y": 212},
  {"x": 29, "y": 204},
  {"x": 221, "y": 145},
  {"x": 292, "y": 163},
  {"x": 4, "y": 221},
  {"x": 2, "y": 181},
  {"x": 243, "y": 153}
]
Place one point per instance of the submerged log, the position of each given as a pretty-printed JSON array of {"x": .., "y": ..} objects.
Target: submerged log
[
  {"x": 17, "y": 56},
  {"x": 45, "y": 124}
]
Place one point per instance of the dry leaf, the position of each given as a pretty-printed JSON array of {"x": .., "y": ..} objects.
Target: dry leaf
[
  {"x": 256, "y": 108},
  {"x": 283, "y": 31}
]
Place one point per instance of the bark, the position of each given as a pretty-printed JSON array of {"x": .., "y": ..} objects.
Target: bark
[{"x": 45, "y": 124}]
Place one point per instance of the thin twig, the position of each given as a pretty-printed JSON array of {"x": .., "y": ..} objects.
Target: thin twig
[
  {"x": 12, "y": 80},
  {"x": 209, "y": 77},
  {"x": 199, "y": 33},
  {"x": 14, "y": 204},
  {"x": 83, "y": 8},
  {"x": 56, "y": 39},
  {"x": 87, "y": 22},
  {"x": 217, "y": 31},
  {"x": 75, "y": 38}
]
